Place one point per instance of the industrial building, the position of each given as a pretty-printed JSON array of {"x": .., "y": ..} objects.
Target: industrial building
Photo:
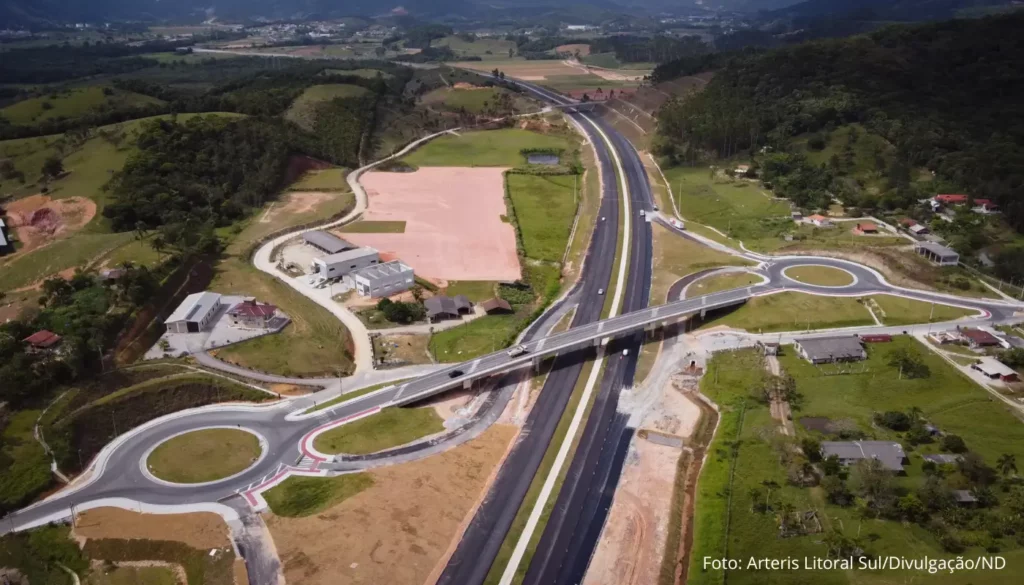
[
  {"x": 937, "y": 253},
  {"x": 826, "y": 350},
  {"x": 383, "y": 280},
  {"x": 335, "y": 266},
  {"x": 195, "y": 313},
  {"x": 326, "y": 242}
]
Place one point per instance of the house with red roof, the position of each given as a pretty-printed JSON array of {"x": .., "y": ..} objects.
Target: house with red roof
[
  {"x": 866, "y": 227},
  {"x": 250, "y": 314},
  {"x": 957, "y": 199},
  {"x": 819, "y": 220},
  {"x": 42, "y": 341}
]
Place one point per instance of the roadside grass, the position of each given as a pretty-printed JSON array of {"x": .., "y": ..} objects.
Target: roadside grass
[
  {"x": 132, "y": 576},
  {"x": 902, "y": 311},
  {"x": 791, "y": 311},
  {"x": 374, "y": 227},
  {"x": 367, "y": 73},
  {"x": 204, "y": 455},
  {"x": 298, "y": 497},
  {"x": 733, "y": 206},
  {"x": 74, "y": 103},
  {"x": 332, "y": 179},
  {"x": 189, "y": 59},
  {"x": 713, "y": 284},
  {"x": 544, "y": 207},
  {"x": 136, "y": 251},
  {"x": 202, "y": 567},
  {"x": 388, "y": 428},
  {"x": 474, "y": 101},
  {"x": 476, "y": 338},
  {"x": 303, "y": 109},
  {"x": 533, "y": 493},
  {"x": 819, "y": 275},
  {"x": 676, "y": 257},
  {"x": 588, "y": 209},
  {"x": 489, "y": 148},
  {"x": 475, "y": 290},
  {"x": 352, "y": 395},
  {"x": 587, "y": 81},
  {"x": 808, "y": 237}
]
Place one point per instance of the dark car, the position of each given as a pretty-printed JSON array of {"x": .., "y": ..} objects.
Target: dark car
[{"x": 455, "y": 373}]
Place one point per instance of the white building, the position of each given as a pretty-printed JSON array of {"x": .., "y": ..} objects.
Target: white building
[
  {"x": 384, "y": 280},
  {"x": 335, "y": 266},
  {"x": 195, "y": 313}
]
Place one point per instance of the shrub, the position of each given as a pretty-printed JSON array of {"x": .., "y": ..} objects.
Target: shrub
[
  {"x": 895, "y": 420},
  {"x": 953, "y": 444}
]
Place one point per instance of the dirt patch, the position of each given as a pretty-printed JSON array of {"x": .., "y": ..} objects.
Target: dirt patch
[
  {"x": 582, "y": 48},
  {"x": 39, "y": 220},
  {"x": 397, "y": 531},
  {"x": 634, "y": 538},
  {"x": 450, "y": 233},
  {"x": 405, "y": 349},
  {"x": 448, "y": 404},
  {"x": 464, "y": 85},
  {"x": 291, "y": 389},
  {"x": 295, "y": 203},
  {"x": 179, "y": 571},
  {"x": 200, "y": 530}
]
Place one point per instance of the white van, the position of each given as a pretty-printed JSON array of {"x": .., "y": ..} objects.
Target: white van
[{"x": 517, "y": 351}]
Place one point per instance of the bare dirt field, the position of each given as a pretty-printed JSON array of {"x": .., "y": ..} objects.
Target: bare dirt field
[
  {"x": 453, "y": 226},
  {"x": 633, "y": 542},
  {"x": 200, "y": 530},
  {"x": 407, "y": 348},
  {"x": 39, "y": 220},
  {"x": 296, "y": 203},
  {"x": 397, "y": 531}
]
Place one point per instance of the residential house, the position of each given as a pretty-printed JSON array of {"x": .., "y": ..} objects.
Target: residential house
[
  {"x": 819, "y": 220},
  {"x": 41, "y": 341},
  {"x": 866, "y": 227},
  {"x": 919, "y": 229},
  {"x": 996, "y": 370},
  {"x": 741, "y": 170},
  {"x": 888, "y": 453},
  {"x": 496, "y": 306},
  {"x": 440, "y": 308},
  {"x": 825, "y": 350},
  {"x": 964, "y": 497},
  {"x": 250, "y": 314},
  {"x": 979, "y": 338}
]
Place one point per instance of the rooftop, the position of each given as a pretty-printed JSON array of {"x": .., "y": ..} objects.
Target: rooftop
[
  {"x": 888, "y": 453},
  {"x": 980, "y": 336},
  {"x": 495, "y": 305},
  {"x": 442, "y": 305},
  {"x": 384, "y": 270},
  {"x": 992, "y": 367},
  {"x": 938, "y": 249},
  {"x": 327, "y": 242},
  {"x": 835, "y": 348},
  {"x": 194, "y": 304},
  {"x": 349, "y": 255},
  {"x": 43, "y": 339},
  {"x": 943, "y": 458},
  {"x": 251, "y": 308}
]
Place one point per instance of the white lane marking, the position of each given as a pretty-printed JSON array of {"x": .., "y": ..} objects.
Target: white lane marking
[
  {"x": 472, "y": 366},
  {"x": 540, "y": 344}
]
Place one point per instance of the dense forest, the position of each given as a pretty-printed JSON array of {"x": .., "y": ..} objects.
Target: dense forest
[{"x": 945, "y": 96}]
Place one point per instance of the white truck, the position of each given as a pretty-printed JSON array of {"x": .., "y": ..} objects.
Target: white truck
[{"x": 517, "y": 351}]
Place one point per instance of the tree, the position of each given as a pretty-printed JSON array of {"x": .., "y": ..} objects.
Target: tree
[
  {"x": 953, "y": 444},
  {"x": 894, "y": 420},
  {"x": 53, "y": 167},
  {"x": 836, "y": 491},
  {"x": 1013, "y": 357},
  {"x": 831, "y": 465},
  {"x": 1006, "y": 464},
  {"x": 973, "y": 467},
  {"x": 910, "y": 363}
]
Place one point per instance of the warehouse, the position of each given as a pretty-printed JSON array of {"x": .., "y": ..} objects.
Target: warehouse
[
  {"x": 996, "y": 370},
  {"x": 338, "y": 265},
  {"x": 326, "y": 242},
  {"x": 195, "y": 313},
  {"x": 383, "y": 280},
  {"x": 938, "y": 253}
]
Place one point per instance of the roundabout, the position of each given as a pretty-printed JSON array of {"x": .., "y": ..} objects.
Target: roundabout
[
  {"x": 820, "y": 275},
  {"x": 204, "y": 456}
]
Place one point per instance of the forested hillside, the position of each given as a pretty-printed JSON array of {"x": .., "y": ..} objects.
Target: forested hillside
[{"x": 945, "y": 97}]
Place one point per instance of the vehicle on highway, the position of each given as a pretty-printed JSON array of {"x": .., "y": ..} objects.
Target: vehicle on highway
[
  {"x": 600, "y": 291},
  {"x": 642, "y": 213},
  {"x": 517, "y": 351},
  {"x": 654, "y": 208},
  {"x": 455, "y": 373},
  {"x": 678, "y": 224},
  {"x": 625, "y": 352}
]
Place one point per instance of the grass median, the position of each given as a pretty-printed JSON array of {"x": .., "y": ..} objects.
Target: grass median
[
  {"x": 297, "y": 497},
  {"x": 389, "y": 428}
]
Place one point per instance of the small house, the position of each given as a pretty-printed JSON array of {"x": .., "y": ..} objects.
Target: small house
[
  {"x": 996, "y": 370},
  {"x": 951, "y": 199},
  {"x": 919, "y": 229},
  {"x": 826, "y": 350},
  {"x": 249, "y": 314},
  {"x": 985, "y": 206},
  {"x": 496, "y": 306},
  {"x": 979, "y": 338},
  {"x": 441, "y": 308},
  {"x": 908, "y": 222},
  {"x": 964, "y": 498},
  {"x": 42, "y": 341},
  {"x": 818, "y": 220},
  {"x": 866, "y": 227},
  {"x": 111, "y": 274},
  {"x": 889, "y": 454},
  {"x": 741, "y": 170}
]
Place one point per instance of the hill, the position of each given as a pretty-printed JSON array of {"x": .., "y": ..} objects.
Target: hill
[{"x": 888, "y": 10}]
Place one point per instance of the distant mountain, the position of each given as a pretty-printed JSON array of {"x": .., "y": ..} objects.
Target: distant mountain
[{"x": 888, "y": 10}]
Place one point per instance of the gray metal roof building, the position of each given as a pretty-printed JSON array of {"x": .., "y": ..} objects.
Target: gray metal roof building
[
  {"x": 824, "y": 350},
  {"x": 938, "y": 253},
  {"x": 327, "y": 242},
  {"x": 442, "y": 307},
  {"x": 384, "y": 280},
  {"x": 194, "y": 313},
  {"x": 889, "y": 454}
]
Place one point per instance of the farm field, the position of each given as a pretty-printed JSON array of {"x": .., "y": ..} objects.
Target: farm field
[
  {"x": 487, "y": 49},
  {"x": 74, "y": 103},
  {"x": 492, "y": 148},
  {"x": 901, "y": 311},
  {"x": 544, "y": 208},
  {"x": 476, "y": 100}
]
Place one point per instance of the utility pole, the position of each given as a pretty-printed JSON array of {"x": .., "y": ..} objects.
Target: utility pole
[{"x": 932, "y": 313}]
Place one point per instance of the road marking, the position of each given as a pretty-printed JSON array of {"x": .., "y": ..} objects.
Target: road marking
[
  {"x": 540, "y": 344},
  {"x": 472, "y": 366}
]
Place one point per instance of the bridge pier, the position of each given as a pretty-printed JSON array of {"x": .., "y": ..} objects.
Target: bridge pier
[
  {"x": 466, "y": 385},
  {"x": 703, "y": 312}
]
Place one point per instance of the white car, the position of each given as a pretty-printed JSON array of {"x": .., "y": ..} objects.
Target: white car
[
  {"x": 625, "y": 352},
  {"x": 600, "y": 291},
  {"x": 517, "y": 351},
  {"x": 642, "y": 213}
]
